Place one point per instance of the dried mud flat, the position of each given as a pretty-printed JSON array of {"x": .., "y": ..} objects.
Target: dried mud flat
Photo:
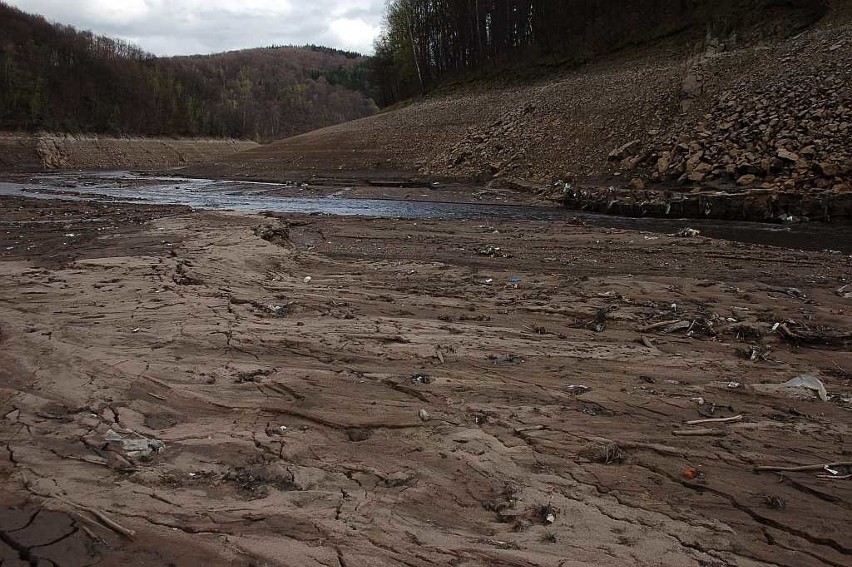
[{"x": 412, "y": 402}]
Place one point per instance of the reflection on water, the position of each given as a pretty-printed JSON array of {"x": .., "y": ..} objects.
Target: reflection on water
[{"x": 253, "y": 196}]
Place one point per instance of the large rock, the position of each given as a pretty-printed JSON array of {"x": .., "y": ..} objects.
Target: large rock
[
  {"x": 624, "y": 151},
  {"x": 748, "y": 179},
  {"x": 787, "y": 155}
]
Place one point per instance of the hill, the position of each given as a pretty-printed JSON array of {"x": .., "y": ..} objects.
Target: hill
[
  {"x": 759, "y": 111},
  {"x": 54, "y": 77}
]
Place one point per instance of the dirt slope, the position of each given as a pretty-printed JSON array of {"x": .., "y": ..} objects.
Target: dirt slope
[{"x": 776, "y": 116}]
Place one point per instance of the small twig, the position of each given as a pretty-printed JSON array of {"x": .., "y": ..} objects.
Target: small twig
[
  {"x": 715, "y": 420},
  {"x": 153, "y": 395},
  {"x": 700, "y": 432},
  {"x": 660, "y": 325},
  {"x": 803, "y": 468},
  {"x": 106, "y": 520},
  {"x": 832, "y": 477},
  {"x": 530, "y": 428},
  {"x": 90, "y": 460},
  {"x": 439, "y": 355}
]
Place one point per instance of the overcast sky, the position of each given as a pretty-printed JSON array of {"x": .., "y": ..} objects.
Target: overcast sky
[{"x": 187, "y": 27}]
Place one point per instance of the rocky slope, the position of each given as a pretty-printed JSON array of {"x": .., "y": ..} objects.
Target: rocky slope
[
  {"x": 636, "y": 128},
  {"x": 29, "y": 152}
]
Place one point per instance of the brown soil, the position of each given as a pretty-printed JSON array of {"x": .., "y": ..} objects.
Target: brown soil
[{"x": 399, "y": 408}]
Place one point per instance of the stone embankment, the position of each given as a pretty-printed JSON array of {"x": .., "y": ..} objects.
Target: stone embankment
[{"x": 32, "y": 152}]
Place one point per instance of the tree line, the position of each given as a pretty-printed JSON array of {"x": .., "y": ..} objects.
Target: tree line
[
  {"x": 55, "y": 77},
  {"x": 427, "y": 41}
]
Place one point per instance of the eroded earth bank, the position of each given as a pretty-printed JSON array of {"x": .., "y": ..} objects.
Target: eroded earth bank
[{"x": 175, "y": 390}]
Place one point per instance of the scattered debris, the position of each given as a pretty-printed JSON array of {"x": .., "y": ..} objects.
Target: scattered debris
[
  {"x": 254, "y": 481},
  {"x": 493, "y": 252},
  {"x": 606, "y": 453},
  {"x": 598, "y": 324},
  {"x": 845, "y": 291},
  {"x": 253, "y": 375},
  {"x": 547, "y": 514},
  {"x": 137, "y": 447},
  {"x": 693, "y": 474},
  {"x": 803, "y": 468},
  {"x": 809, "y": 382},
  {"x": 756, "y": 353},
  {"x": 675, "y": 327},
  {"x": 506, "y": 359},
  {"x": 687, "y": 233},
  {"x": 795, "y": 293},
  {"x": 577, "y": 389},
  {"x": 279, "y": 310},
  {"x": 657, "y": 326},
  {"x": 483, "y": 281},
  {"x": 710, "y": 409},
  {"x": 801, "y": 334},
  {"x": 743, "y": 331},
  {"x": 279, "y": 430},
  {"x": 421, "y": 379},
  {"x": 275, "y": 234},
  {"x": 103, "y": 519},
  {"x": 774, "y": 502},
  {"x": 514, "y": 282},
  {"x": 537, "y": 329},
  {"x": 716, "y": 420}
]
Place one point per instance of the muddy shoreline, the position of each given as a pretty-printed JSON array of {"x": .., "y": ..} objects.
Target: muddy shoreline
[
  {"x": 355, "y": 391},
  {"x": 399, "y": 197}
]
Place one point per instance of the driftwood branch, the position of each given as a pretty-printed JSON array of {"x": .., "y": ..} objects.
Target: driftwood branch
[
  {"x": 715, "y": 420},
  {"x": 803, "y": 468}
]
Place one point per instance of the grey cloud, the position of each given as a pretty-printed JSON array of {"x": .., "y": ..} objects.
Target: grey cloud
[{"x": 185, "y": 27}]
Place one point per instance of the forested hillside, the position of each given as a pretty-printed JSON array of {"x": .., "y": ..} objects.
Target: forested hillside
[
  {"x": 427, "y": 41},
  {"x": 54, "y": 77}
]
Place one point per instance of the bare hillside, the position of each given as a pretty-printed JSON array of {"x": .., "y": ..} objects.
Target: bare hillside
[{"x": 719, "y": 116}]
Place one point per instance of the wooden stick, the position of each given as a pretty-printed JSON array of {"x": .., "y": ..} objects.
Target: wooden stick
[
  {"x": 715, "y": 420},
  {"x": 700, "y": 432},
  {"x": 802, "y": 468},
  {"x": 832, "y": 477},
  {"x": 110, "y": 523},
  {"x": 660, "y": 325},
  {"x": 106, "y": 520}
]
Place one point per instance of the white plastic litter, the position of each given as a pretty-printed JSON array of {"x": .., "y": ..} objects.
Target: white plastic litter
[{"x": 810, "y": 383}]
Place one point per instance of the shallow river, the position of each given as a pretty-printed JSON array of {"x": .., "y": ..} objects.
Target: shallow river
[{"x": 249, "y": 196}]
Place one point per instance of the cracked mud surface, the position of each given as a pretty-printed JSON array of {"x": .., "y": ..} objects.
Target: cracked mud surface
[{"x": 398, "y": 409}]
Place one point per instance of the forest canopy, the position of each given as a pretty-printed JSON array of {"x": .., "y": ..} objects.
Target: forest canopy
[
  {"x": 54, "y": 77},
  {"x": 427, "y": 41}
]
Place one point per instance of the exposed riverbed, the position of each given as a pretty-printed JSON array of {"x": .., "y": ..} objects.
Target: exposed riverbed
[{"x": 432, "y": 202}]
